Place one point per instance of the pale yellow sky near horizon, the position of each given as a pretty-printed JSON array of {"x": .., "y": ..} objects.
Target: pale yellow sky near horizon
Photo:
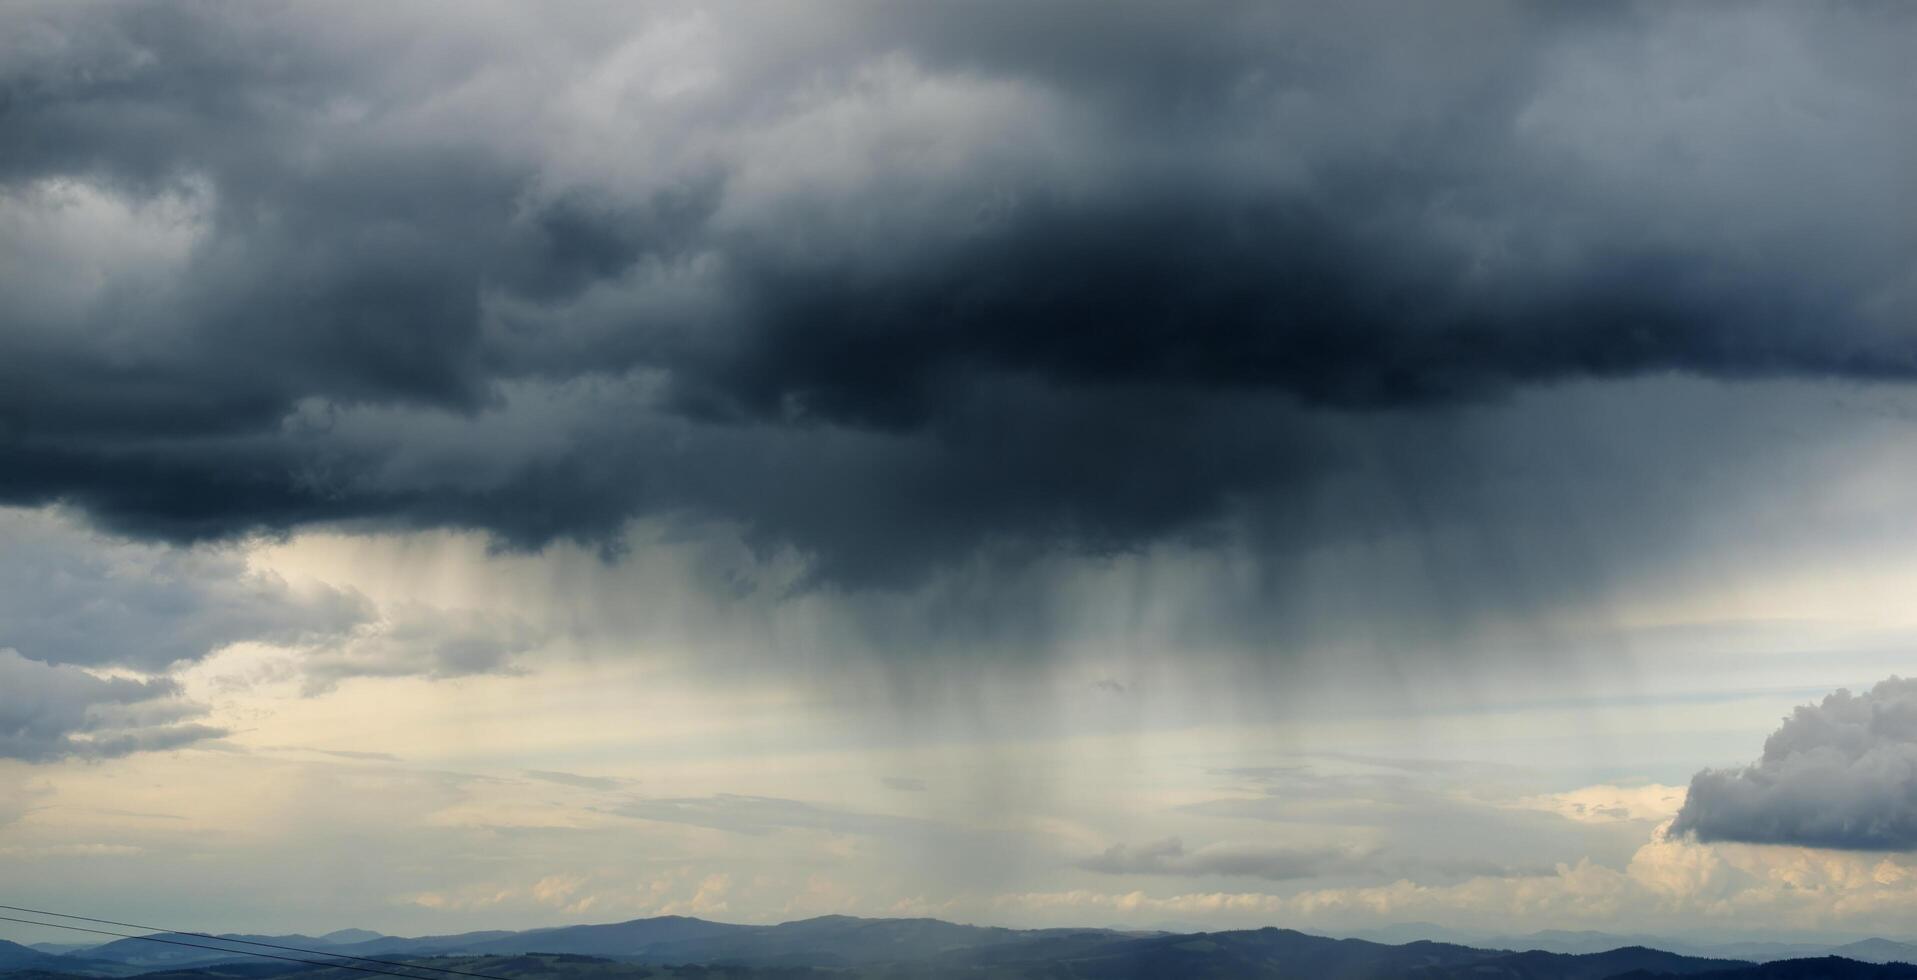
[{"x": 593, "y": 776}]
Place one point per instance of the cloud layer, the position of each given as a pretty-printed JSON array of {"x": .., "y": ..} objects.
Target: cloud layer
[
  {"x": 896, "y": 287},
  {"x": 75, "y": 604},
  {"x": 51, "y": 712},
  {"x": 1839, "y": 774},
  {"x": 95, "y": 630},
  {"x": 72, "y": 596}
]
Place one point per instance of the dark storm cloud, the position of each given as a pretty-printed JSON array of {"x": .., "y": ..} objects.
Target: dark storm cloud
[
  {"x": 895, "y": 286},
  {"x": 1839, "y": 774}
]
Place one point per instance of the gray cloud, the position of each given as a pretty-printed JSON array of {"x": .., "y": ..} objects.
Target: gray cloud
[
  {"x": 1839, "y": 774},
  {"x": 896, "y": 287},
  {"x": 72, "y": 596},
  {"x": 50, "y": 711}
]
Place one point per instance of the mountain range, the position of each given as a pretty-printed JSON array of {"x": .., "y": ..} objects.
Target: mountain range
[
  {"x": 844, "y": 946},
  {"x": 1870, "y": 950}
]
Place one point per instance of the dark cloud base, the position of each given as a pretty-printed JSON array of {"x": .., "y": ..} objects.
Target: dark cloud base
[{"x": 1165, "y": 310}]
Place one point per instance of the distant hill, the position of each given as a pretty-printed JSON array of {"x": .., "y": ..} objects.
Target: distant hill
[
  {"x": 823, "y": 941},
  {"x": 840, "y": 941},
  {"x": 343, "y": 936},
  {"x": 186, "y": 949},
  {"x": 1878, "y": 951},
  {"x": 428, "y": 945},
  {"x": 1818, "y": 968},
  {"x": 616, "y": 939},
  {"x": 1540, "y": 965},
  {"x": 1564, "y": 941},
  {"x": 850, "y": 948},
  {"x": 14, "y": 956},
  {"x": 1260, "y": 953},
  {"x": 1582, "y": 941}
]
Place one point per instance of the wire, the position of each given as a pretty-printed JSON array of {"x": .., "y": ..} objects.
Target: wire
[
  {"x": 223, "y": 949},
  {"x": 240, "y": 952},
  {"x": 248, "y": 942}
]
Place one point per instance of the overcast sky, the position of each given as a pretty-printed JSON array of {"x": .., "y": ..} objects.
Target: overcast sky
[{"x": 473, "y": 466}]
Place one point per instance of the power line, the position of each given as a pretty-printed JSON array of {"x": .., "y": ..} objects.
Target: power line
[
  {"x": 222, "y": 949},
  {"x": 248, "y": 942},
  {"x": 334, "y": 964}
]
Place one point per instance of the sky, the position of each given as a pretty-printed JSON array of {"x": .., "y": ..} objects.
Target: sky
[{"x": 477, "y": 465}]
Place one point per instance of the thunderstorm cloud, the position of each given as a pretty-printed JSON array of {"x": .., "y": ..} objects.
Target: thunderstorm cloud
[{"x": 892, "y": 287}]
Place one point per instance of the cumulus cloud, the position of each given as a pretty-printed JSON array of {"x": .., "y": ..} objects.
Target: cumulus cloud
[
  {"x": 1839, "y": 774},
  {"x": 890, "y": 286},
  {"x": 52, "y": 711}
]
